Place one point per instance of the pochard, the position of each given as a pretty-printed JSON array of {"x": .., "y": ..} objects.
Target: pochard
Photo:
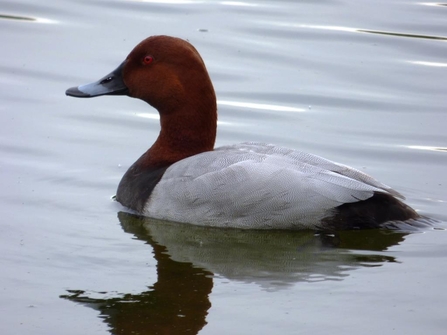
[{"x": 183, "y": 178}]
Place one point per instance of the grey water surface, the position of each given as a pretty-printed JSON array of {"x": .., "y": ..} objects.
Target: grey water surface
[{"x": 360, "y": 82}]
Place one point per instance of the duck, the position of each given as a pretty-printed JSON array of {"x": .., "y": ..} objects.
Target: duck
[{"x": 183, "y": 178}]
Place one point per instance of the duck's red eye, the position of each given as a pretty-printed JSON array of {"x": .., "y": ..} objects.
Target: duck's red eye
[{"x": 148, "y": 59}]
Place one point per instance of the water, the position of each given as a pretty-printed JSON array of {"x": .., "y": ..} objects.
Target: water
[{"x": 359, "y": 82}]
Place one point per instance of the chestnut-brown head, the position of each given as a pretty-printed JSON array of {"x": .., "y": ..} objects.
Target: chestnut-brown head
[
  {"x": 160, "y": 70},
  {"x": 165, "y": 71}
]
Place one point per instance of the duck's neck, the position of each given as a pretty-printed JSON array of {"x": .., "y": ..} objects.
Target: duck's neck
[{"x": 185, "y": 131}]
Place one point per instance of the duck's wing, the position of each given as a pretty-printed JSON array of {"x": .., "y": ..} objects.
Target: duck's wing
[
  {"x": 252, "y": 185},
  {"x": 297, "y": 157}
]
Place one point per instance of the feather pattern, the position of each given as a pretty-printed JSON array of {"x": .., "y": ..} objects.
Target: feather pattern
[{"x": 258, "y": 186}]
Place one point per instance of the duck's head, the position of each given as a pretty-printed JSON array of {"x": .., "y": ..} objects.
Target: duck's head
[
  {"x": 169, "y": 74},
  {"x": 161, "y": 70}
]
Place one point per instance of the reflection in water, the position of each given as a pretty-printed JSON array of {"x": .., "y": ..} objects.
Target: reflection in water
[
  {"x": 188, "y": 256},
  {"x": 177, "y": 303}
]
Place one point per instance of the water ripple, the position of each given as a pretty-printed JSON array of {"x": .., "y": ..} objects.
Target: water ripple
[
  {"x": 26, "y": 18},
  {"x": 369, "y": 31},
  {"x": 424, "y": 147},
  {"x": 432, "y": 4},
  {"x": 428, "y": 63},
  {"x": 252, "y": 105}
]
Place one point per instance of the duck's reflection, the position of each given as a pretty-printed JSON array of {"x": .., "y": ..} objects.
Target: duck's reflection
[{"x": 189, "y": 256}]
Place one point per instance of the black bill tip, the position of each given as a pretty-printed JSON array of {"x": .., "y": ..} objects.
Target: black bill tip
[{"x": 75, "y": 92}]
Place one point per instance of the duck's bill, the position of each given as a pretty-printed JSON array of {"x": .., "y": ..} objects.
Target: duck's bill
[{"x": 112, "y": 84}]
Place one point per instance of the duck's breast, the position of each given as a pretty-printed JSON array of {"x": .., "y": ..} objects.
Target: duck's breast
[{"x": 254, "y": 185}]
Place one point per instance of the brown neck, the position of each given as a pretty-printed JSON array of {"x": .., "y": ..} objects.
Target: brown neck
[{"x": 187, "y": 129}]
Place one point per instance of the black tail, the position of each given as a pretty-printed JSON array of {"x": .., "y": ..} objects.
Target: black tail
[{"x": 369, "y": 213}]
